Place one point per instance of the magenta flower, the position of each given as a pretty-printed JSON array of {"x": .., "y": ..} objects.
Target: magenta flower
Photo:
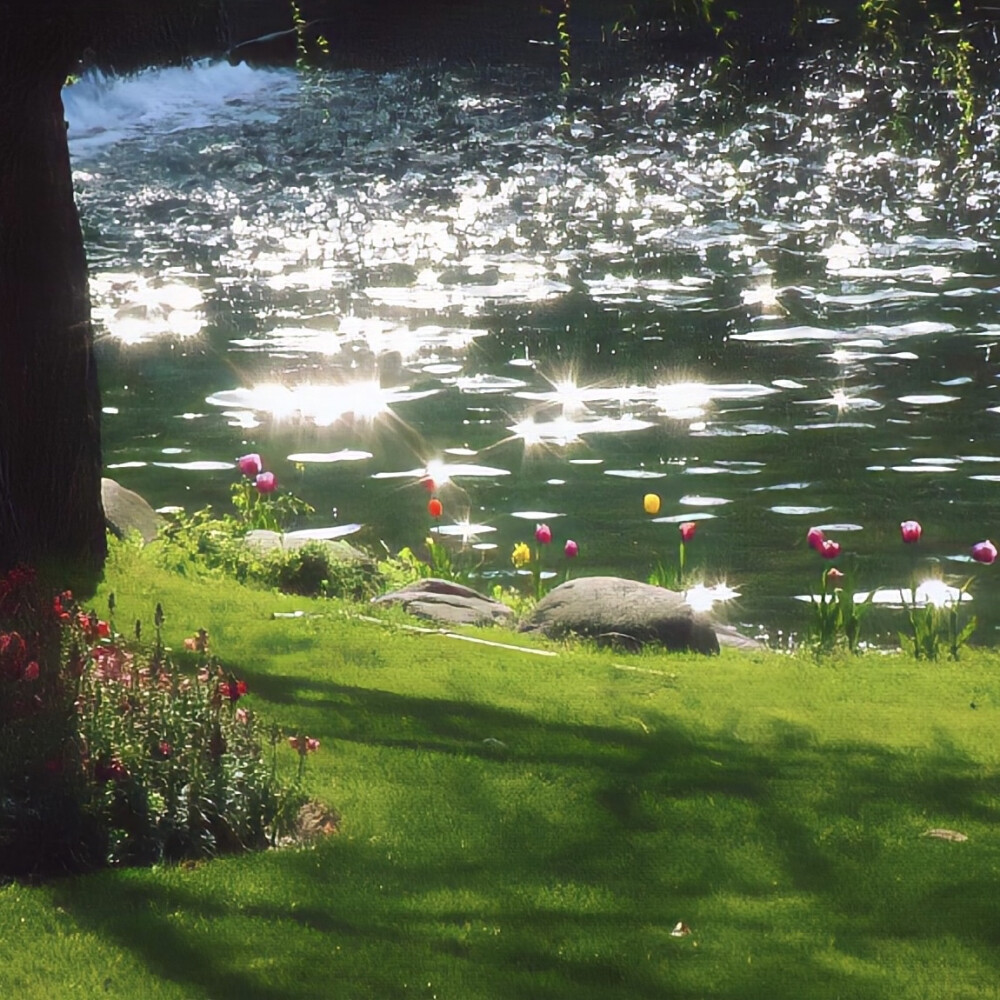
[
  {"x": 572, "y": 550},
  {"x": 251, "y": 465},
  {"x": 910, "y": 531},
  {"x": 266, "y": 482},
  {"x": 687, "y": 530},
  {"x": 815, "y": 538},
  {"x": 543, "y": 534},
  {"x": 984, "y": 552},
  {"x": 829, "y": 549}
]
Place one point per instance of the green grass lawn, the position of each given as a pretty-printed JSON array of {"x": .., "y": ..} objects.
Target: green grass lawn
[{"x": 526, "y": 826}]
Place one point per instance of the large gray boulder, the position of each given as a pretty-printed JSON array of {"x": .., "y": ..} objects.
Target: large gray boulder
[
  {"x": 263, "y": 541},
  {"x": 624, "y": 613},
  {"x": 447, "y": 602},
  {"x": 126, "y": 512}
]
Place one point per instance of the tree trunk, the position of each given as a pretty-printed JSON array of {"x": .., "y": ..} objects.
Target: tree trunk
[{"x": 50, "y": 443}]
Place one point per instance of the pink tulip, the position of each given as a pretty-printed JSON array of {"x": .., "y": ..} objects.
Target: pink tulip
[
  {"x": 829, "y": 549},
  {"x": 687, "y": 530},
  {"x": 251, "y": 465},
  {"x": 31, "y": 671},
  {"x": 910, "y": 531},
  {"x": 572, "y": 550},
  {"x": 984, "y": 552},
  {"x": 543, "y": 534},
  {"x": 815, "y": 538},
  {"x": 266, "y": 482}
]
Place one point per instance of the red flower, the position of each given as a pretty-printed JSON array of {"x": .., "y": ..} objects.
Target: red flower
[
  {"x": 910, "y": 531},
  {"x": 303, "y": 744},
  {"x": 829, "y": 549},
  {"x": 571, "y": 550},
  {"x": 13, "y": 653},
  {"x": 434, "y": 507},
  {"x": 428, "y": 484},
  {"x": 543, "y": 534},
  {"x": 687, "y": 530},
  {"x": 31, "y": 671},
  {"x": 815, "y": 538},
  {"x": 110, "y": 770},
  {"x": 251, "y": 465},
  {"x": 57, "y": 606},
  {"x": 164, "y": 750},
  {"x": 233, "y": 690},
  {"x": 984, "y": 552},
  {"x": 266, "y": 482}
]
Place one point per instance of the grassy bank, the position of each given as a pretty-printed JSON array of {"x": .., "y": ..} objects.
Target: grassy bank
[{"x": 526, "y": 826}]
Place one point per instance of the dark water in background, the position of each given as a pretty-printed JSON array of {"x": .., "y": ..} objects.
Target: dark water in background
[{"x": 773, "y": 312}]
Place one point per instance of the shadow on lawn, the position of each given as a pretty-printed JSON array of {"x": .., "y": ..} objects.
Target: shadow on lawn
[{"x": 660, "y": 826}]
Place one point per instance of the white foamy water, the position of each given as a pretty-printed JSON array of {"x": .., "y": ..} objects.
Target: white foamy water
[{"x": 102, "y": 110}]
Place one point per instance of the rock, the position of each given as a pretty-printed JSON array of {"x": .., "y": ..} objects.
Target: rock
[
  {"x": 338, "y": 549},
  {"x": 447, "y": 602},
  {"x": 125, "y": 512},
  {"x": 625, "y": 613}
]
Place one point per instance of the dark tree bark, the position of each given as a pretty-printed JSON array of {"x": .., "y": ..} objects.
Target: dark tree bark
[{"x": 50, "y": 444}]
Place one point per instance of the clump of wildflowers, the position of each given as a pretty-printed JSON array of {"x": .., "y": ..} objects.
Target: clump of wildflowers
[{"x": 135, "y": 758}]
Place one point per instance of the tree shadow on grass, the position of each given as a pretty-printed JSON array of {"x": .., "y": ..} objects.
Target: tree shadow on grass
[{"x": 657, "y": 826}]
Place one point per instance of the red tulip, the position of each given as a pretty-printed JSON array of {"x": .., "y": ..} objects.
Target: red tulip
[
  {"x": 815, "y": 538},
  {"x": 543, "y": 534},
  {"x": 571, "y": 550},
  {"x": 910, "y": 531},
  {"x": 434, "y": 507},
  {"x": 829, "y": 549},
  {"x": 251, "y": 465},
  {"x": 687, "y": 530},
  {"x": 428, "y": 484},
  {"x": 266, "y": 482},
  {"x": 984, "y": 552}
]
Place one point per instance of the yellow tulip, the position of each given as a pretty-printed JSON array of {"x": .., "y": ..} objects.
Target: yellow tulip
[
  {"x": 651, "y": 503},
  {"x": 521, "y": 555}
]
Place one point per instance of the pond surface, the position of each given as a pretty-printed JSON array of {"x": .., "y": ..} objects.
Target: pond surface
[{"x": 773, "y": 313}]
